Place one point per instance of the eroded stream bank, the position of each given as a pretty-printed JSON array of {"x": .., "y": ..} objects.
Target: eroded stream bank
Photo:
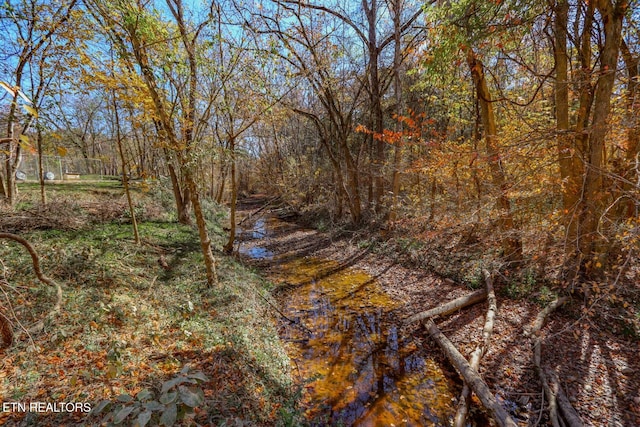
[{"x": 340, "y": 331}]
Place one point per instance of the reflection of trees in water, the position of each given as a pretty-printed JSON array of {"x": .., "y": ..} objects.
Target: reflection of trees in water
[
  {"x": 363, "y": 371},
  {"x": 355, "y": 366}
]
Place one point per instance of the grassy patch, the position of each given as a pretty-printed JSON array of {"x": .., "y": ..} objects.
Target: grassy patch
[{"x": 133, "y": 317}]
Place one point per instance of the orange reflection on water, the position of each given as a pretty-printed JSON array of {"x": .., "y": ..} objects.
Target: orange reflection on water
[{"x": 354, "y": 365}]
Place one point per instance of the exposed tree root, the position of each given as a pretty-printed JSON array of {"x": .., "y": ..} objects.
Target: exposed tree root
[
  {"x": 465, "y": 396},
  {"x": 471, "y": 377},
  {"x": 38, "y": 326},
  {"x": 450, "y": 307},
  {"x": 561, "y": 412}
]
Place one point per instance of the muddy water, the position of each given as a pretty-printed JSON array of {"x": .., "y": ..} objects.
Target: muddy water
[{"x": 354, "y": 366}]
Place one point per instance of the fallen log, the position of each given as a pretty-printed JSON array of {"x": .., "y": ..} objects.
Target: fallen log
[
  {"x": 471, "y": 377},
  {"x": 561, "y": 412},
  {"x": 553, "y": 406},
  {"x": 543, "y": 316},
  {"x": 450, "y": 307},
  {"x": 567, "y": 411},
  {"x": 465, "y": 396}
]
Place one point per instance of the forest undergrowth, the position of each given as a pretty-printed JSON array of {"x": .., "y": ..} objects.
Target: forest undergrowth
[{"x": 140, "y": 336}]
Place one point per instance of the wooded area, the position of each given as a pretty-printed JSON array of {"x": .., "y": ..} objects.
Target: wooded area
[
  {"x": 516, "y": 119},
  {"x": 466, "y": 137}
]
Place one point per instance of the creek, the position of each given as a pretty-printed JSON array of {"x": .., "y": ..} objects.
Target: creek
[{"x": 352, "y": 363}]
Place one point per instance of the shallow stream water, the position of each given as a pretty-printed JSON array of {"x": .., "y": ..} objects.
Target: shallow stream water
[{"x": 354, "y": 365}]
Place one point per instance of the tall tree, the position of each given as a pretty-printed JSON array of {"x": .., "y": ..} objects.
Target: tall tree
[
  {"x": 310, "y": 55},
  {"x": 582, "y": 147},
  {"x": 33, "y": 24},
  {"x": 136, "y": 30}
]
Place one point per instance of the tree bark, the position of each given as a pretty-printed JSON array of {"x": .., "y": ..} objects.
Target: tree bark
[
  {"x": 465, "y": 396},
  {"x": 375, "y": 94},
  {"x": 471, "y": 377},
  {"x": 455, "y": 305},
  {"x": 43, "y": 194},
  {"x": 396, "y": 6},
  {"x": 33, "y": 43},
  {"x": 180, "y": 192},
  {"x": 594, "y": 192},
  {"x": 125, "y": 177},
  {"x": 3, "y": 192},
  {"x": 559, "y": 405},
  {"x": 511, "y": 243},
  {"x": 228, "y": 247},
  {"x": 181, "y": 146},
  {"x": 569, "y": 162},
  {"x": 205, "y": 240},
  {"x": 188, "y": 136},
  {"x": 632, "y": 155}
]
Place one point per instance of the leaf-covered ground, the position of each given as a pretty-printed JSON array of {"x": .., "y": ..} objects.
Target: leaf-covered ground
[
  {"x": 595, "y": 357},
  {"x": 133, "y": 317}
]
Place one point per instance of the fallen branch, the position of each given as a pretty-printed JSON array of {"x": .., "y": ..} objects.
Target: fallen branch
[
  {"x": 561, "y": 411},
  {"x": 266, "y": 205},
  {"x": 553, "y": 408},
  {"x": 465, "y": 396},
  {"x": 471, "y": 377},
  {"x": 450, "y": 307},
  {"x": 567, "y": 411},
  {"x": 543, "y": 316},
  {"x": 37, "y": 327}
]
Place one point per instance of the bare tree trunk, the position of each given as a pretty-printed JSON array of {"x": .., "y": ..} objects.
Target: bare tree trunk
[
  {"x": 14, "y": 148},
  {"x": 353, "y": 192},
  {"x": 396, "y": 6},
  {"x": 205, "y": 241},
  {"x": 125, "y": 177},
  {"x": 3, "y": 192},
  {"x": 180, "y": 193},
  {"x": 450, "y": 307},
  {"x": 29, "y": 46},
  {"x": 594, "y": 203},
  {"x": 189, "y": 118},
  {"x": 471, "y": 377},
  {"x": 482, "y": 348},
  {"x": 568, "y": 160},
  {"x": 632, "y": 155},
  {"x": 222, "y": 184},
  {"x": 228, "y": 247},
  {"x": 371, "y": 13},
  {"x": 511, "y": 243},
  {"x": 559, "y": 406},
  {"x": 43, "y": 194}
]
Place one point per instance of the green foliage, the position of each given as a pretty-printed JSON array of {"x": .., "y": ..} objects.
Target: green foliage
[
  {"x": 474, "y": 279},
  {"x": 147, "y": 23},
  {"x": 135, "y": 320},
  {"x": 321, "y": 225},
  {"x": 523, "y": 285},
  {"x": 408, "y": 244},
  {"x": 175, "y": 401},
  {"x": 162, "y": 194}
]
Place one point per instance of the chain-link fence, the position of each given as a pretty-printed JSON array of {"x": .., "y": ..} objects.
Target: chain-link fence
[{"x": 60, "y": 168}]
